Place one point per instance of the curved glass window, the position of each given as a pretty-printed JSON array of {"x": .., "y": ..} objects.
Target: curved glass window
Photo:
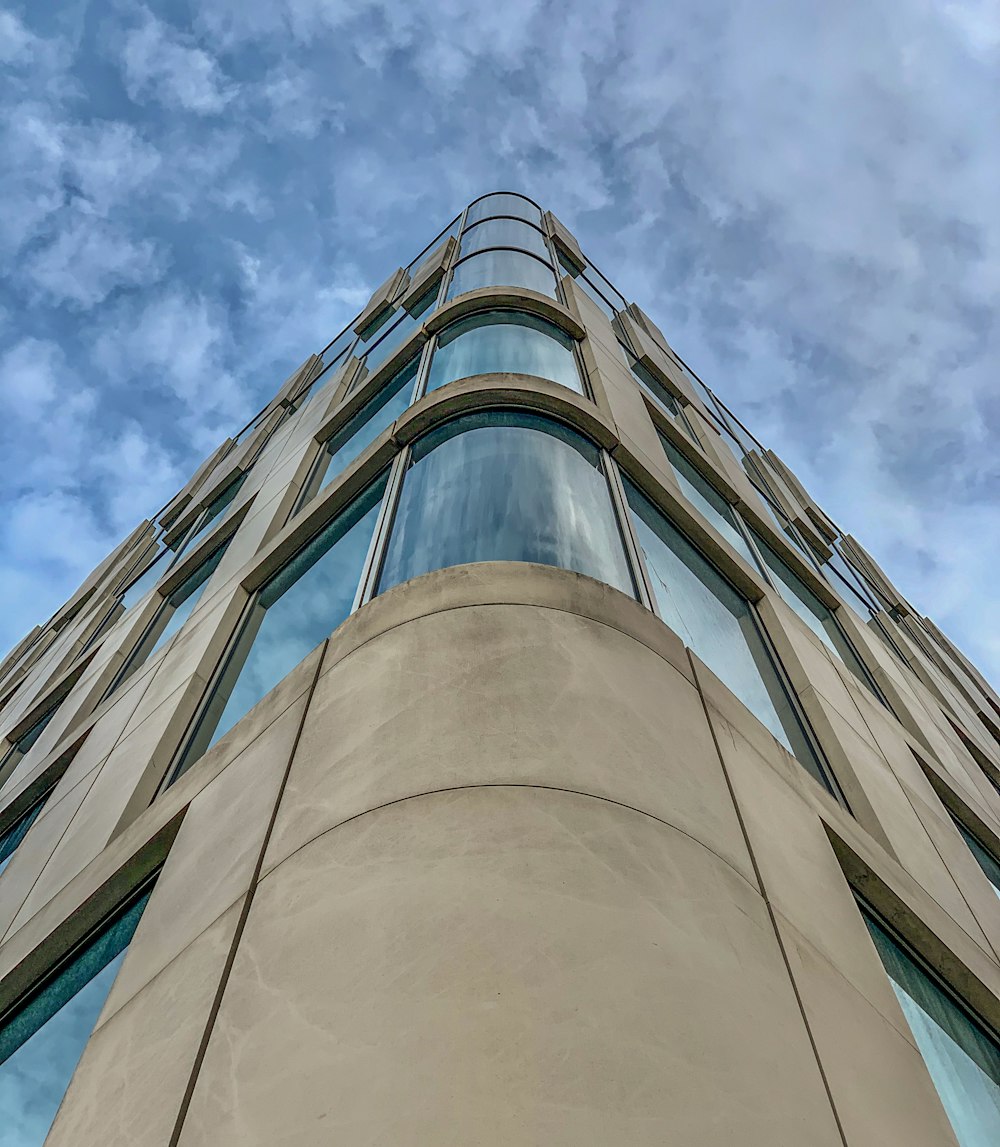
[
  {"x": 503, "y": 203},
  {"x": 502, "y": 269},
  {"x": 504, "y": 233},
  {"x": 360, "y": 432},
  {"x": 505, "y": 486},
  {"x": 504, "y": 342},
  {"x": 297, "y": 609},
  {"x": 717, "y": 623}
]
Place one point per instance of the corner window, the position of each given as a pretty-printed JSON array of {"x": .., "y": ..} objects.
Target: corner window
[
  {"x": 18, "y": 831},
  {"x": 297, "y": 609},
  {"x": 707, "y": 500},
  {"x": 503, "y": 203},
  {"x": 171, "y": 615},
  {"x": 378, "y": 414},
  {"x": 41, "y": 1043},
  {"x": 504, "y": 342},
  {"x": 962, "y": 1057},
  {"x": 505, "y": 486},
  {"x": 718, "y": 624},
  {"x": 504, "y": 233},
  {"x": 502, "y": 269}
]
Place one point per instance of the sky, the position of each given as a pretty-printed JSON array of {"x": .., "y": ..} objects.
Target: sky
[{"x": 804, "y": 195}]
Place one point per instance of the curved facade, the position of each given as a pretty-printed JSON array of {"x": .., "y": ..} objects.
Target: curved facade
[{"x": 494, "y": 743}]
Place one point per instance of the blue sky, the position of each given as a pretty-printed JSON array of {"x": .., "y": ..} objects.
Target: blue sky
[{"x": 803, "y": 195}]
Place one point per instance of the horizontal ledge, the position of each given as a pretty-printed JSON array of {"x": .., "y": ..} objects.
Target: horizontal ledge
[{"x": 505, "y": 298}]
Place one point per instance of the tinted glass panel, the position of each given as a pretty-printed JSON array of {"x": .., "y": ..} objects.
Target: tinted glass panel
[
  {"x": 374, "y": 417},
  {"x": 705, "y": 498},
  {"x": 145, "y": 581},
  {"x": 504, "y": 341},
  {"x": 504, "y": 486},
  {"x": 390, "y": 339},
  {"x": 503, "y": 203},
  {"x": 17, "y": 832},
  {"x": 659, "y": 393},
  {"x": 296, "y": 610},
  {"x": 502, "y": 269},
  {"x": 41, "y": 1045},
  {"x": 505, "y": 233},
  {"x": 214, "y": 511},
  {"x": 716, "y": 622},
  {"x": 595, "y": 296},
  {"x": 987, "y": 861},
  {"x": 963, "y": 1061}
]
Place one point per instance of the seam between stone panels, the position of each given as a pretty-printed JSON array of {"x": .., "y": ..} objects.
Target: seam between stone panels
[
  {"x": 525, "y": 605},
  {"x": 771, "y": 916},
  {"x": 241, "y": 923},
  {"x": 514, "y": 785}
]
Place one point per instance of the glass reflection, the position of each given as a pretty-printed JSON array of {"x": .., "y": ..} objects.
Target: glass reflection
[
  {"x": 716, "y": 622},
  {"x": 146, "y": 580},
  {"x": 387, "y": 340},
  {"x": 963, "y": 1061},
  {"x": 503, "y": 203},
  {"x": 505, "y": 486},
  {"x": 502, "y": 269},
  {"x": 22, "y": 746},
  {"x": 361, "y": 431},
  {"x": 987, "y": 861},
  {"x": 705, "y": 498},
  {"x": 504, "y": 233},
  {"x": 296, "y": 610},
  {"x": 504, "y": 342},
  {"x": 18, "y": 831},
  {"x": 42, "y": 1044}
]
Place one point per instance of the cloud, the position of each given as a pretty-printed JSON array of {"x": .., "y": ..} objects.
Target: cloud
[{"x": 165, "y": 65}]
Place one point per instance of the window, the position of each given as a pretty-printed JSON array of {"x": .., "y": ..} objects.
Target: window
[
  {"x": 705, "y": 498},
  {"x": 588, "y": 288},
  {"x": 659, "y": 394},
  {"x": 504, "y": 342},
  {"x": 146, "y": 580},
  {"x": 815, "y": 614},
  {"x": 19, "y": 749},
  {"x": 718, "y": 624},
  {"x": 987, "y": 861},
  {"x": 962, "y": 1058},
  {"x": 503, "y": 203},
  {"x": 18, "y": 831},
  {"x": 171, "y": 615},
  {"x": 502, "y": 269},
  {"x": 505, "y": 233},
  {"x": 297, "y": 609},
  {"x": 388, "y": 337},
  {"x": 219, "y": 504},
  {"x": 505, "y": 486},
  {"x": 41, "y": 1043},
  {"x": 355, "y": 436}
]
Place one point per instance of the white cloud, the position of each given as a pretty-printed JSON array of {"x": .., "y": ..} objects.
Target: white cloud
[{"x": 161, "y": 63}]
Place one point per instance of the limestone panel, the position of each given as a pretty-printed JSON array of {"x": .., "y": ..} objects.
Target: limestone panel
[
  {"x": 129, "y": 1084},
  {"x": 507, "y": 694},
  {"x": 508, "y": 966}
]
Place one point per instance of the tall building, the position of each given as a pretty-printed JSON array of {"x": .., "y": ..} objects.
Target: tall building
[{"x": 494, "y": 743}]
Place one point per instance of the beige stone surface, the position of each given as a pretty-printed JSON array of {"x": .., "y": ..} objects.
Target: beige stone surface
[
  {"x": 507, "y": 694},
  {"x": 212, "y": 858},
  {"x": 129, "y": 1084},
  {"x": 502, "y": 965}
]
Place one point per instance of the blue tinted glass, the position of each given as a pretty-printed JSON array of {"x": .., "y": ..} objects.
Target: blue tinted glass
[
  {"x": 146, "y": 580},
  {"x": 377, "y": 415},
  {"x": 700, "y": 493},
  {"x": 963, "y": 1061},
  {"x": 41, "y": 1046},
  {"x": 503, "y": 486},
  {"x": 504, "y": 233},
  {"x": 295, "y": 611},
  {"x": 387, "y": 340},
  {"x": 716, "y": 622},
  {"x": 502, "y": 269},
  {"x": 17, "y": 832},
  {"x": 504, "y": 342},
  {"x": 503, "y": 203},
  {"x": 987, "y": 861}
]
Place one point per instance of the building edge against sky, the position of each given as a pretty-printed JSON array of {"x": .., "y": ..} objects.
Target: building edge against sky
[{"x": 495, "y": 743}]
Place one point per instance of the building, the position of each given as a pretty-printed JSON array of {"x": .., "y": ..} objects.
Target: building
[{"x": 494, "y": 743}]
